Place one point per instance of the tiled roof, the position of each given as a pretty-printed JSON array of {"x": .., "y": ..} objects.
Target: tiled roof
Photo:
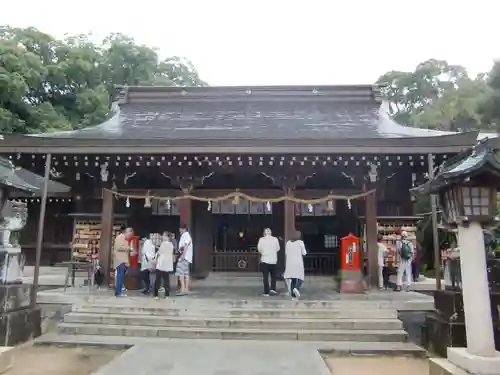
[
  {"x": 23, "y": 179},
  {"x": 330, "y": 112}
]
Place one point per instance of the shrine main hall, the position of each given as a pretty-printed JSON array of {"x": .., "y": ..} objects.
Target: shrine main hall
[{"x": 229, "y": 162}]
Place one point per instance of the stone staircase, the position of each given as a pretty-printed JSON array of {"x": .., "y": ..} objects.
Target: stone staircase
[{"x": 339, "y": 321}]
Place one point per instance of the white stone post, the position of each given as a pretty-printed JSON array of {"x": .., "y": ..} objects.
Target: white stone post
[{"x": 480, "y": 356}]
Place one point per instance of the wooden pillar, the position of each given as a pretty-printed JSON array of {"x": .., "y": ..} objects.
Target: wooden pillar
[
  {"x": 371, "y": 238},
  {"x": 106, "y": 242},
  {"x": 289, "y": 217},
  {"x": 289, "y": 229},
  {"x": 185, "y": 209},
  {"x": 203, "y": 245},
  {"x": 435, "y": 234}
]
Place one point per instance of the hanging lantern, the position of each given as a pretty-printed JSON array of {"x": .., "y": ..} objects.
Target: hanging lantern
[
  {"x": 349, "y": 206},
  {"x": 268, "y": 206},
  {"x": 209, "y": 206},
  {"x": 168, "y": 204},
  {"x": 241, "y": 234},
  {"x": 236, "y": 200},
  {"x": 330, "y": 205},
  {"x": 127, "y": 203},
  {"x": 310, "y": 208}
]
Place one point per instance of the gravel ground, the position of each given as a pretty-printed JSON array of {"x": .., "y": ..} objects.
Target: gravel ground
[
  {"x": 38, "y": 360},
  {"x": 377, "y": 366}
]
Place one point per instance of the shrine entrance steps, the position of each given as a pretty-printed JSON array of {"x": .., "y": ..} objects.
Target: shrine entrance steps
[{"x": 339, "y": 321}]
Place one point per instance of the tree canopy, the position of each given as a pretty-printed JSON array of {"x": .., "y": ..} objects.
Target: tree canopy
[
  {"x": 49, "y": 84},
  {"x": 441, "y": 96}
]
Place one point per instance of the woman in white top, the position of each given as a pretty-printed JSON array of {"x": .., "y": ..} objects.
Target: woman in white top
[
  {"x": 164, "y": 265},
  {"x": 295, "y": 251},
  {"x": 383, "y": 271},
  {"x": 147, "y": 258}
]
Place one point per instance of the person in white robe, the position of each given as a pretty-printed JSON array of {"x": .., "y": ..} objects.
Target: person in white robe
[
  {"x": 295, "y": 250},
  {"x": 147, "y": 259}
]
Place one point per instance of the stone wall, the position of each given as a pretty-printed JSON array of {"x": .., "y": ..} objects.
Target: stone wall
[
  {"x": 19, "y": 322},
  {"x": 51, "y": 315}
]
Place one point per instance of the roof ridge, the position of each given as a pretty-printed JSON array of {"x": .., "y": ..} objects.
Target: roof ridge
[
  {"x": 230, "y": 87},
  {"x": 164, "y": 94}
]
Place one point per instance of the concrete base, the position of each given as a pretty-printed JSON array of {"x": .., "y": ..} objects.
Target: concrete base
[
  {"x": 18, "y": 321},
  {"x": 6, "y": 358},
  {"x": 352, "y": 282},
  {"x": 474, "y": 364}
]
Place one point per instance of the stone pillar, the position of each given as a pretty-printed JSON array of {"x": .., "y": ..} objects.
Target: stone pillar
[
  {"x": 106, "y": 242},
  {"x": 480, "y": 356},
  {"x": 371, "y": 238}
]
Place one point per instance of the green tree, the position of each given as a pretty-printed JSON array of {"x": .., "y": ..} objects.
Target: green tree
[
  {"x": 127, "y": 62},
  {"x": 456, "y": 109},
  {"x": 489, "y": 106},
  {"x": 48, "y": 84},
  {"x": 435, "y": 95}
]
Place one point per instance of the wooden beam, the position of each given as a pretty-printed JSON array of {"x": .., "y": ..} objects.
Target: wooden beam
[
  {"x": 39, "y": 236},
  {"x": 313, "y": 146},
  {"x": 435, "y": 234}
]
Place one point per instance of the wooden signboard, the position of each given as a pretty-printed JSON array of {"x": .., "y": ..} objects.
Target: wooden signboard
[
  {"x": 227, "y": 207},
  {"x": 216, "y": 207},
  {"x": 242, "y": 208},
  {"x": 257, "y": 208}
]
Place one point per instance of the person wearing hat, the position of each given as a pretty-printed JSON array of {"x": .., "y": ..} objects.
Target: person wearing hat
[{"x": 405, "y": 251}]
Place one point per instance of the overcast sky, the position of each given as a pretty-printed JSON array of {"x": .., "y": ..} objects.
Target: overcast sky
[{"x": 258, "y": 42}]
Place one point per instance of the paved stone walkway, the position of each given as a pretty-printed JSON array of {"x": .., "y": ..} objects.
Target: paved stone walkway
[{"x": 218, "y": 358}]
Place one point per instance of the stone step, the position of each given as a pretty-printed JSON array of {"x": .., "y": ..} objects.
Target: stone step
[
  {"x": 233, "y": 334},
  {"x": 265, "y": 302},
  {"x": 252, "y": 312},
  {"x": 327, "y": 347},
  {"x": 238, "y": 323}
]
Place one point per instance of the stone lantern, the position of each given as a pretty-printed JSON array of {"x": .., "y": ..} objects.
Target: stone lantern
[
  {"x": 467, "y": 186},
  {"x": 13, "y": 217},
  {"x": 19, "y": 321},
  {"x": 470, "y": 200}
]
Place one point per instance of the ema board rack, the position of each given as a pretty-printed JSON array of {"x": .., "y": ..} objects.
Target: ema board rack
[
  {"x": 87, "y": 237},
  {"x": 391, "y": 233}
]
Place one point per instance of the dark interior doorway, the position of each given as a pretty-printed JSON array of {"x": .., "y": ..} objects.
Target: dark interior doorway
[
  {"x": 235, "y": 239},
  {"x": 321, "y": 236},
  {"x": 239, "y": 232}
]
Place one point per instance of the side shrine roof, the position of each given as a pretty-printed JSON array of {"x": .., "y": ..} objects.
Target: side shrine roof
[
  {"x": 24, "y": 180},
  {"x": 482, "y": 156},
  {"x": 328, "y": 118}
]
